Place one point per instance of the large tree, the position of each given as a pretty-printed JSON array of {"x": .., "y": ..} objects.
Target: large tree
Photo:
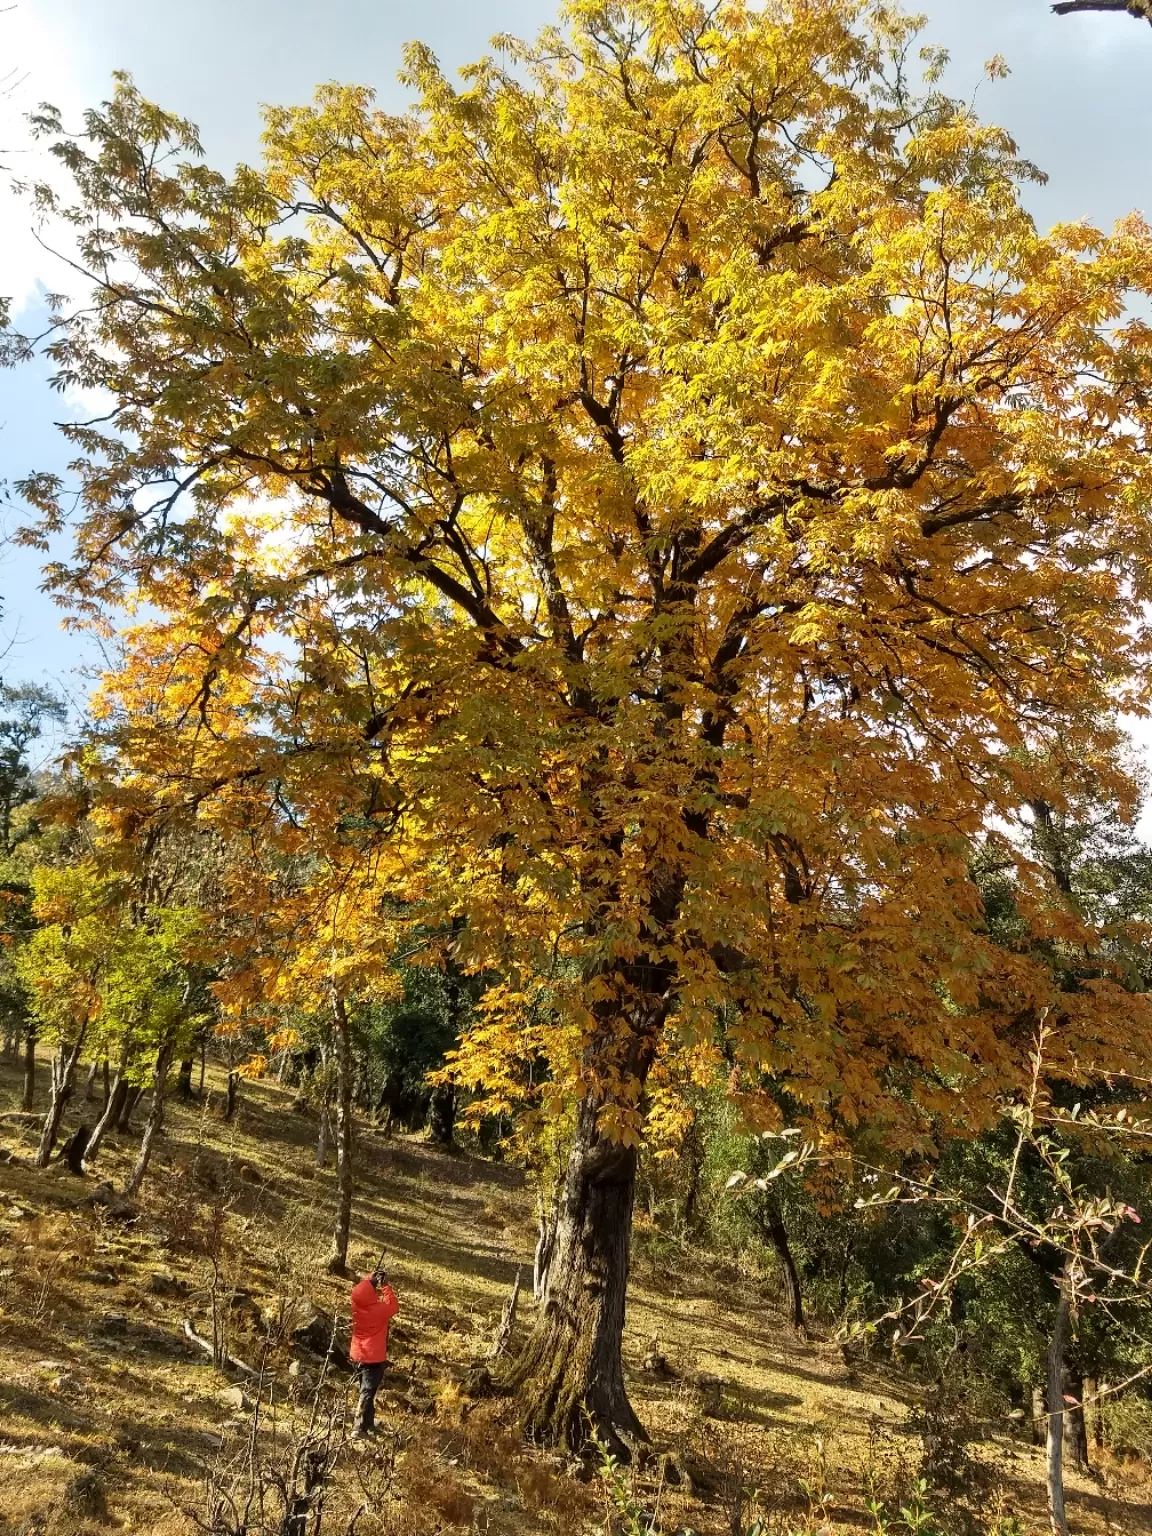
[{"x": 662, "y": 498}]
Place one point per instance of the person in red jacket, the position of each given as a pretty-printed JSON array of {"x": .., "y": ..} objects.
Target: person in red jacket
[{"x": 374, "y": 1305}]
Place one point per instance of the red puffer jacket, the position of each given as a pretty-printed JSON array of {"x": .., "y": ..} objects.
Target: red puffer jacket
[{"x": 371, "y": 1314}]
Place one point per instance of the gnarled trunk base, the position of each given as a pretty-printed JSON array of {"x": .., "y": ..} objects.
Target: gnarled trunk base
[{"x": 570, "y": 1377}]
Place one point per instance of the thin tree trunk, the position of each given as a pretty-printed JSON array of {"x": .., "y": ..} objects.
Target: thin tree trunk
[
  {"x": 133, "y": 1094},
  {"x": 113, "y": 1108},
  {"x": 772, "y": 1226},
  {"x": 230, "y": 1099},
  {"x": 154, "y": 1121},
  {"x": 570, "y": 1373},
  {"x": 203, "y": 1064},
  {"x": 546, "y": 1217},
  {"x": 1039, "y": 1415},
  {"x": 106, "y": 1074},
  {"x": 1075, "y": 1428},
  {"x": 90, "y": 1081},
  {"x": 29, "y": 1096},
  {"x": 442, "y": 1116},
  {"x": 1096, "y": 1392},
  {"x": 338, "y": 1258},
  {"x": 1055, "y": 1433},
  {"x": 63, "y": 1078},
  {"x": 322, "y": 1137},
  {"x": 692, "y": 1155},
  {"x": 507, "y": 1323}
]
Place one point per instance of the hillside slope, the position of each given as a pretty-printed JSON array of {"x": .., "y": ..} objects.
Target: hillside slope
[{"x": 111, "y": 1418}]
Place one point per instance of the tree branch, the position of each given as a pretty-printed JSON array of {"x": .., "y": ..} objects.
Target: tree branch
[{"x": 1141, "y": 9}]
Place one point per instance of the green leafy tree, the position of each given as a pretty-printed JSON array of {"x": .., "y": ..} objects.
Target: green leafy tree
[{"x": 26, "y": 710}]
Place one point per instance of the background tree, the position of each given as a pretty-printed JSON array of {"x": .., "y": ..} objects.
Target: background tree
[
  {"x": 62, "y": 965},
  {"x": 26, "y": 709},
  {"x": 695, "y": 500}
]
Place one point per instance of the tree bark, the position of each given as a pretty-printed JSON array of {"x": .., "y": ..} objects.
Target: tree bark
[
  {"x": 507, "y": 1323},
  {"x": 90, "y": 1081},
  {"x": 1141, "y": 9},
  {"x": 772, "y": 1226},
  {"x": 63, "y": 1077},
  {"x": 184, "y": 1080},
  {"x": 546, "y": 1217},
  {"x": 155, "y": 1120},
  {"x": 338, "y": 1258},
  {"x": 1055, "y": 1433},
  {"x": 442, "y": 1116},
  {"x": 132, "y": 1096},
  {"x": 29, "y": 1096},
  {"x": 1075, "y": 1428},
  {"x": 230, "y": 1098},
  {"x": 570, "y": 1374},
  {"x": 1039, "y": 1415},
  {"x": 1095, "y": 1392},
  {"x": 113, "y": 1108}
]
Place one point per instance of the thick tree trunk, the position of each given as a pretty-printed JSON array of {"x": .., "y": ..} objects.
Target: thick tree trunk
[
  {"x": 90, "y": 1081},
  {"x": 773, "y": 1228},
  {"x": 338, "y": 1258},
  {"x": 1055, "y": 1393},
  {"x": 155, "y": 1120},
  {"x": 442, "y": 1116},
  {"x": 570, "y": 1375},
  {"x": 184, "y": 1079},
  {"x": 29, "y": 1096},
  {"x": 63, "y": 1078}
]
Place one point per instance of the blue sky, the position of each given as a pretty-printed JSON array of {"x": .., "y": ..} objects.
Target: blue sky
[{"x": 1078, "y": 101}]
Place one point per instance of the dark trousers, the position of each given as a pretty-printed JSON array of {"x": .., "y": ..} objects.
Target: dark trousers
[{"x": 370, "y": 1378}]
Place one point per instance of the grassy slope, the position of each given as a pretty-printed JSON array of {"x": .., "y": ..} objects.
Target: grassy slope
[{"x": 109, "y": 1419}]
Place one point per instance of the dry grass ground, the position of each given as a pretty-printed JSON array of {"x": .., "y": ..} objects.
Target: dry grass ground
[{"x": 111, "y": 1420}]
